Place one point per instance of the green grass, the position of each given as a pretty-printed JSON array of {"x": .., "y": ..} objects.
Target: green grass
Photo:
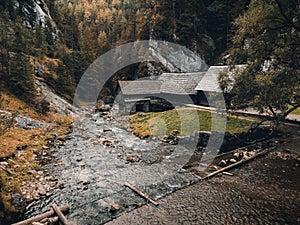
[
  {"x": 185, "y": 121},
  {"x": 296, "y": 111}
]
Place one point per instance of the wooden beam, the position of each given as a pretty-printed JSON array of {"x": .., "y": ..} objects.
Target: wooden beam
[
  {"x": 37, "y": 218},
  {"x": 50, "y": 220},
  {"x": 141, "y": 193},
  {"x": 236, "y": 164},
  {"x": 60, "y": 215}
]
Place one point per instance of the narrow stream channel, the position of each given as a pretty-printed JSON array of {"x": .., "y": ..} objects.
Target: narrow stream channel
[{"x": 92, "y": 168}]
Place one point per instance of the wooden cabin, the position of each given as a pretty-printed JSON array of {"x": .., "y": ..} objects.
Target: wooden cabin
[
  {"x": 171, "y": 89},
  {"x": 211, "y": 78},
  {"x": 136, "y": 96}
]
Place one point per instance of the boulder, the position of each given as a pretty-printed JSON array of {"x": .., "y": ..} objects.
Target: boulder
[
  {"x": 102, "y": 107},
  {"x": 115, "y": 207},
  {"x": 18, "y": 201}
]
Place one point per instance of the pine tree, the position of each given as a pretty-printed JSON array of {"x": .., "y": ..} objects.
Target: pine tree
[{"x": 20, "y": 80}]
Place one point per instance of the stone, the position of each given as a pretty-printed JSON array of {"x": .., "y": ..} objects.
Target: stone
[
  {"x": 88, "y": 115},
  {"x": 79, "y": 159},
  {"x": 62, "y": 138},
  {"x": 104, "y": 113},
  {"x": 133, "y": 158},
  {"x": 107, "y": 143},
  {"x": 103, "y": 108},
  {"x": 42, "y": 192},
  {"x": 175, "y": 132},
  {"x": 86, "y": 182},
  {"x": 61, "y": 185},
  {"x": 238, "y": 155},
  {"x": 107, "y": 130},
  {"x": 21, "y": 147},
  {"x": 18, "y": 201},
  {"x": 222, "y": 163},
  {"x": 173, "y": 142},
  {"x": 115, "y": 208},
  {"x": 31, "y": 172},
  {"x": 215, "y": 168},
  {"x": 170, "y": 137},
  {"x": 232, "y": 160}
]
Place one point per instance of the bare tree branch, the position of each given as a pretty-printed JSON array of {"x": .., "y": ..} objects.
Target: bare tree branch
[
  {"x": 291, "y": 110},
  {"x": 272, "y": 111}
]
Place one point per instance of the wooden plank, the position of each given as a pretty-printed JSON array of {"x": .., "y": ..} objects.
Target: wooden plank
[
  {"x": 204, "y": 160},
  {"x": 244, "y": 148},
  {"x": 228, "y": 174},
  {"x": 237, "y": 163},
  {"x": 141, "y": 193},
  {"x": 37, "y": 218},
  {"x": 60, "y": 215},
  {"x": 50, "y": 220}
]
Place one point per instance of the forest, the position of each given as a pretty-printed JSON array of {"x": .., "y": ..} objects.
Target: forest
[
  {"x": 62, "y": 46},
  {"x": 80, "y": 31},
  {"x": 53, "y": 43}
]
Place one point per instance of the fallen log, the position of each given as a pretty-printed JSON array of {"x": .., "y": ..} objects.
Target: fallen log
[
  {"x": 141, "y": 193},
  {"x": 50, "y": 220},
  {"x": 236, "y": 164},
  {"x": 37, "y": 218},
  {"x": 60, "y": 215}
]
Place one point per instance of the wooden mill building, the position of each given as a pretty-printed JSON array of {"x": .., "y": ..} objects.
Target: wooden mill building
[{"x": 175, "y": 88}]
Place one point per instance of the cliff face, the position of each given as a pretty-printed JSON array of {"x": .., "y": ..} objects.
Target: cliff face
[
  {"x": 29, "y": 45},
  {"x": 32, "y": 12}
]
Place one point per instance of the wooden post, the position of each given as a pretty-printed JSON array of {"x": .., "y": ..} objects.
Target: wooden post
[
  {"x": 60, "y": 214},
  {"x": 141, "y": 193},
  {"x": 37, "y": 218}
]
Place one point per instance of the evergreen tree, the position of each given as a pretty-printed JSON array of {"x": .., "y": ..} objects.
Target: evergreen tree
[{"x": 20, "y": 80}]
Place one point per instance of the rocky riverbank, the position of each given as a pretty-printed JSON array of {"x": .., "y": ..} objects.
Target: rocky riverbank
[
  {"x": 87, "y": 168},
  {"x": 265, "y": 191},
  {"x": 97, "y": 158}
]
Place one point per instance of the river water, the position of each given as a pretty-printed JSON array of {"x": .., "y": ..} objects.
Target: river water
[
  {"x": 95, "y": 162},
  {"x": 99, "y": 157}
]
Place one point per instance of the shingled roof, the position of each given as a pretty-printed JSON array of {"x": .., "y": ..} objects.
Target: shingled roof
[
  {"x": 140, "y": 87},
  {"x": 210, "y": 81},
  {"x": 180, "y": 83}
]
